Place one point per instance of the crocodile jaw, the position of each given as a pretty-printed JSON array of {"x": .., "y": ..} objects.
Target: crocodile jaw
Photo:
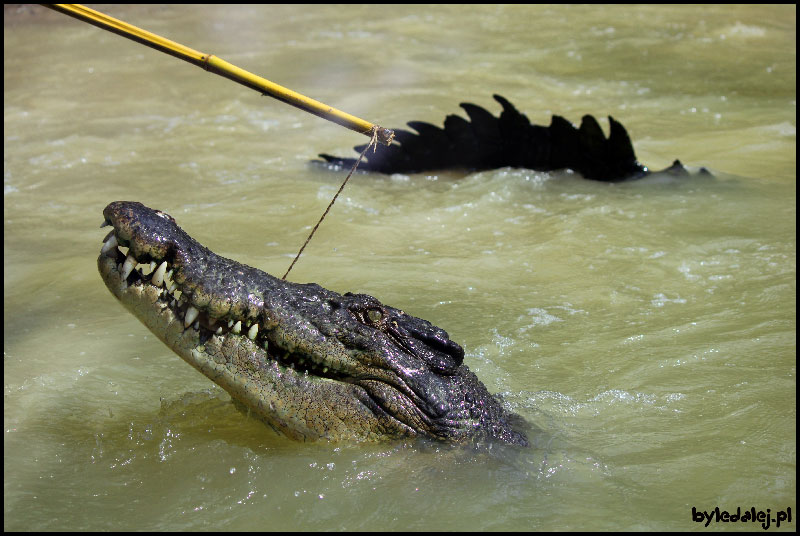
[{"x": 302, "y": 406}]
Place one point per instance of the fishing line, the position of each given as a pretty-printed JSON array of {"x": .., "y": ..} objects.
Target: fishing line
[{"x": 372, "y": 143}]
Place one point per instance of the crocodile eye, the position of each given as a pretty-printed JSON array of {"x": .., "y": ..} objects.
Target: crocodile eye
[{"x": 374, "y": 315}]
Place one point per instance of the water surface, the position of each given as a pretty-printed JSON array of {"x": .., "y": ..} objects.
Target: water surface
[{"x": 647, "y": 329}]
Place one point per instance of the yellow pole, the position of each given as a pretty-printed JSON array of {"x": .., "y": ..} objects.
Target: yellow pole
[{"x": 221, "y": 67}]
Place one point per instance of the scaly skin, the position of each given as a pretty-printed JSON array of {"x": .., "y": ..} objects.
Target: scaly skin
[{"x": 311, "y": 363}]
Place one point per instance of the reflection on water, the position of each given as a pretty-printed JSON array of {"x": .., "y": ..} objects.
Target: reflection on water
[{"x": 647, "y": 329}]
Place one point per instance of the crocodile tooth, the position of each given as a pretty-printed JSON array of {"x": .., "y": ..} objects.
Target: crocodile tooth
[
  {"x": 191, "y": 315},
  {"x": 230, "y": 323},
  {"x": 252, "y": 332},
  {"x": 219, "y": 330},
  {"x": 158, "y": 276},
  {"x": 109, "y": 244},
  {"x": 127, "y": 267},
  {"x": 237, "y": 327}
]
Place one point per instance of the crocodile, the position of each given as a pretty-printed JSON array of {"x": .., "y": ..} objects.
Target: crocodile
[
  {"x": 510, "y": 140},
  {"x": 311, "y": 363}
]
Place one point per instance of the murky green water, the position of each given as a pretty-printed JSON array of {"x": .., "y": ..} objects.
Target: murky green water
[{"x": 648, "y": 329}]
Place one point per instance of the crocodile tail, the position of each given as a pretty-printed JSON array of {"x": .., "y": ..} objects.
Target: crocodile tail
[{"x": 484, "y": 141}]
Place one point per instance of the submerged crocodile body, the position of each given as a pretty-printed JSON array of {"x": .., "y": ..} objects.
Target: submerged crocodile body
[
  {"x": 489, "y": 142},
  {"x": 309, "y": 362}
]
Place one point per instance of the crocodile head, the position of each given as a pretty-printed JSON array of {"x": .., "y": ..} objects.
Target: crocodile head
[{"x": 308, "y": 361}]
